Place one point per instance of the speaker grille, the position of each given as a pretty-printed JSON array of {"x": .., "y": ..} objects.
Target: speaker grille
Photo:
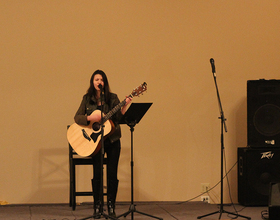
[
  {"x": 257, "y": 169},
  {"x": 264, "y": 172},
  {"x": 267, "y": 120},
  {"x": 263, "y": 113}
]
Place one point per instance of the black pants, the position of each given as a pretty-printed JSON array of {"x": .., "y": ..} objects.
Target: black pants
[{"x": 112, "y": 151}]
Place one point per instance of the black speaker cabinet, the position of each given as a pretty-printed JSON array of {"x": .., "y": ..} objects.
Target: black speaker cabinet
[
  {"x": 263, "y": 113},
  {"x": 257, "y": 169},
  {"x": 274, "y": 202}
]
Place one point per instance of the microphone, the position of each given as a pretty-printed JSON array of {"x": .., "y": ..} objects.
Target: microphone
[
  {"x": 100, "y": 87},
  {"x": 212, "y": 65}
]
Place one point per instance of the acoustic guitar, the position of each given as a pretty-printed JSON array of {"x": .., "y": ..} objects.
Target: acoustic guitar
[{"x": 85, "y": 140}]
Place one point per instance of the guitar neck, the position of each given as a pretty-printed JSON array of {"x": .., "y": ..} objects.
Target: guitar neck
[{"x": 115, "y": 109}]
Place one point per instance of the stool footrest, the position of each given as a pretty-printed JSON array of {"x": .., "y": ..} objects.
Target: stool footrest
[{"x": 83, "y": 194}]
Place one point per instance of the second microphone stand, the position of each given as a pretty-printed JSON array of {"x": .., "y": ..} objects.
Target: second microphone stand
[{"x": 223, "y": 127}]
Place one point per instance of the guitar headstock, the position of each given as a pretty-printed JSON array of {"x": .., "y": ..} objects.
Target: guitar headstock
[{"x": 139, "y": 90}]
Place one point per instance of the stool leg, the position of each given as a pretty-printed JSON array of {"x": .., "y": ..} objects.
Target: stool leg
[
  {"x": 71, "y": 183},
  {"x": 74, "y": 188}
]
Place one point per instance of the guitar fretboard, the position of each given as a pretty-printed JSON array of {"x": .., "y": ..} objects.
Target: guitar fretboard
[
  {"x": 115, "y": 109},
  {"x": 135, "y": 92}
]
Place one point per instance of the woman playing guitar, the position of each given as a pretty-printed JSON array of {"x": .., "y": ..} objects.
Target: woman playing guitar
[{"x": 89, "y": 113}]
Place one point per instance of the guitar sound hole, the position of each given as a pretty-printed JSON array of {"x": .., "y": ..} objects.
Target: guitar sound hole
[{"x": 95, "y": 126}]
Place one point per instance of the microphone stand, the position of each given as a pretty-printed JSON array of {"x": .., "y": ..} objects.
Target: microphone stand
[
  {"x": 101, "y": 194},
  {"x": 223, "y": 127}
]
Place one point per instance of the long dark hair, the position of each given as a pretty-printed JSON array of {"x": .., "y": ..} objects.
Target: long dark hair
[{"x": 92, "y": 91}]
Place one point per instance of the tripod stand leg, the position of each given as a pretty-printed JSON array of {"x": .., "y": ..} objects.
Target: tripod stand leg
[
  {"x": 199, "y": 217},
  {"x": 237, "y": 215},
  {"x": 142, "y": 213},
  {"x": 131, "y": 211},
  {"x": 221, "y": 212},
  {"x": 100, "y": 216}
]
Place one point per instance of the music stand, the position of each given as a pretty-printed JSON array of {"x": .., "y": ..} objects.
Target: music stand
[{"x": 132, "y": 117}]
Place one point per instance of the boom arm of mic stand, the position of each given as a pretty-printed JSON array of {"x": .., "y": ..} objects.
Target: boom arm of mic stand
[{"x": 222, "y": 117}]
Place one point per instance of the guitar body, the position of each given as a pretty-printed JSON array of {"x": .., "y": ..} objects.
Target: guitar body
[{"x": 85, "y": 140}]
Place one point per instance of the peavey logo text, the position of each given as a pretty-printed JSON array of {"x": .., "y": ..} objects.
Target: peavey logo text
[{"x": 267, "y": 155}]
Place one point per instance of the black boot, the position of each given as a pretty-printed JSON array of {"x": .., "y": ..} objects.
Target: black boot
[
  {"x": 111, "y": 196},
  {"x": 111, "y": 209},
  {"x": 98, "y": 208}
]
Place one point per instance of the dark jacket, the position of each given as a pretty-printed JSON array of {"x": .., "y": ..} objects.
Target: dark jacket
[{"x": 88, "y": 105}]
